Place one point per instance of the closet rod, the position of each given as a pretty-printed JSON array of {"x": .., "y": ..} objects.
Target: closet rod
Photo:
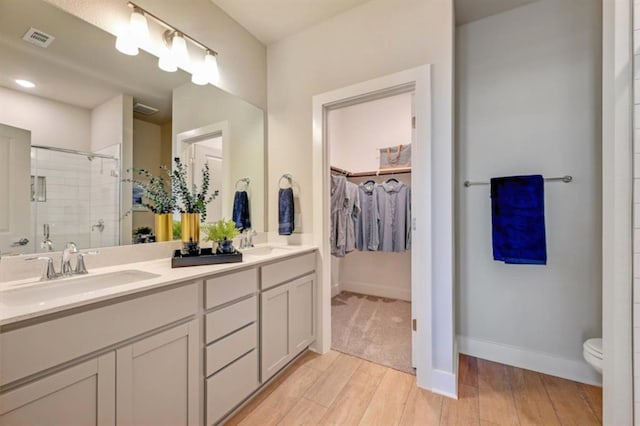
[
  {"x": 565, "y": 179},
  {"x": 399, "y": 170}
]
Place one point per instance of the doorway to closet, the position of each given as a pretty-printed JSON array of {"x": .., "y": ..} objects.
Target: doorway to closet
[
  {"x": 369, "y": 145},
  {"x": 431, "y": 262}
]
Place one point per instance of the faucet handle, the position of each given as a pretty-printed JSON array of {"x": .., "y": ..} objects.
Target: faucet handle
[
  {"x": 80, "y": 266},
  {"x": 49, "y": 272}
]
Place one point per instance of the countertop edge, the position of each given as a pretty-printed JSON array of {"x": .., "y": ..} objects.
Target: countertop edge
[{"x": 191, "y": 273}]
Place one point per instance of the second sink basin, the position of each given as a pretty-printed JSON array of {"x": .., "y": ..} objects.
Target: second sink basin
[
  {"x": 55, "y": 289},
  {"x": 265, "y": 250}
]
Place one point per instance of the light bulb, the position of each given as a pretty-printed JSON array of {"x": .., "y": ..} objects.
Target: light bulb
[
  {"x": 125, "y": 43},
  {"x": 211, "y": 67},
  {"x": 179, "y": 51},
  {"x": 199, "y": 75},
  {"x": 138, "y": 28},
  {"x": 166, "y": 62}
]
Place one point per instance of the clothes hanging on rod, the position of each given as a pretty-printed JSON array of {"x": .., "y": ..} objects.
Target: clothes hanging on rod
[
  {"x": 369, "y": 219},
  {"x": 345, "y": 209}
]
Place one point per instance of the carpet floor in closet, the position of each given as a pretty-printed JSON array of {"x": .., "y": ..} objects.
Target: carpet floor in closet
[{"x": 374, "y": 328}]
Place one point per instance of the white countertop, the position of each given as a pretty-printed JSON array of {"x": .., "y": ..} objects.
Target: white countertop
[{"x": 11, "y": 313}]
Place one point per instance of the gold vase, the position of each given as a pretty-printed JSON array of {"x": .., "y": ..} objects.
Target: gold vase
[
  {"x": 190, "y": 227},
  {"x": 164, "y": 227}
]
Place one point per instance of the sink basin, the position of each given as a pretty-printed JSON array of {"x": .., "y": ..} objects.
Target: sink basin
[
  {"x": 63, "y": 287},
  {"x": 265, "y": 250}
]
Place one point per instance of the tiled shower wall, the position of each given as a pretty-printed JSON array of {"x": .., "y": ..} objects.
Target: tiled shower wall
[
  {"x": 79, "y": 191},
  {"x": 105, "y": 198}
]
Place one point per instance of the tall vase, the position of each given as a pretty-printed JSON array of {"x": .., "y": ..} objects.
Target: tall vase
[
  {"x": 164, "y": 227},
  {"x": 190, "y": 231}
]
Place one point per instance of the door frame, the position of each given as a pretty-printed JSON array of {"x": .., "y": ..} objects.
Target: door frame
[
  {"x": 192, "y": 136},
  {"x": 422, "y": 275}
]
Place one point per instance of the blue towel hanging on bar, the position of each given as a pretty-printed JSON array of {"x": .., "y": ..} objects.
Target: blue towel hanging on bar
[{"x": 517, "y": 219}]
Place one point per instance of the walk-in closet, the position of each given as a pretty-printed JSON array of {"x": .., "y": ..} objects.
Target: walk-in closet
[{"x": 370, "y": 212}]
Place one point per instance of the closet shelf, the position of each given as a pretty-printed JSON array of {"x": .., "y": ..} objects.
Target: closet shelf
[{"x": 380, "y": 172}]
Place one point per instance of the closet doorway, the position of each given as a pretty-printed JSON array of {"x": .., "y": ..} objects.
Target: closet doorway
[
  {"x": 419, "y": 261},
  {"x": 369, "y": 145}
]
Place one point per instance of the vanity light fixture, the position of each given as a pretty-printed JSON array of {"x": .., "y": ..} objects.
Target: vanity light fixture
[
  {"x": 135, "y": 35},
  {"x": 174, "y": 51},
  {"x": 25, "y": 83}
]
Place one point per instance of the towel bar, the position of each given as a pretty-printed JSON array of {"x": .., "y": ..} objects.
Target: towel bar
[{"x": 565, "y": 179}]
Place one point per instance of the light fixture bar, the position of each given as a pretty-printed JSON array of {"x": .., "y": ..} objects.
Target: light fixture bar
[{"x": 172, "y": 28}]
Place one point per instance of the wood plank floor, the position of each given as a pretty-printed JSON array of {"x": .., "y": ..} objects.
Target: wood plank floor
[{"x": 339, "y": 389}]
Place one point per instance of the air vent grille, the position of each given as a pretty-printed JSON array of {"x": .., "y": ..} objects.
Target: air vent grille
[
  {"x": 37, "y": 37},
  {"x": 144, "y": 109}
]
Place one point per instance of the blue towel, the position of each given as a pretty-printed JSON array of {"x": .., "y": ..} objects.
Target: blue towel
[
  {"x": 285, "y": 211},
  {"x": 517, "y": 219},
  {"x": 241, "y": 210}
]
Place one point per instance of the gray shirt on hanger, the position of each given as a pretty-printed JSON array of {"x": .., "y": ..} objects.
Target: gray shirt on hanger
[{"x": 394, "y": 207}]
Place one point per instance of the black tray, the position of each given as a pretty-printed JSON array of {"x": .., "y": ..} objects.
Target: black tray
[{"x": 206, "y": 257}]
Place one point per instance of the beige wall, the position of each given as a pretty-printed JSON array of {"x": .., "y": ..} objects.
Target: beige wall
[
  {"x": 195, "y": 107},
  {"x": 147, "y": 154},
  {"x": 51, "y": 123}
]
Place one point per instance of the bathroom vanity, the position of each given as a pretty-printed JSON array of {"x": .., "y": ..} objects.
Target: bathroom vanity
[{"x": 176, "y": 347}]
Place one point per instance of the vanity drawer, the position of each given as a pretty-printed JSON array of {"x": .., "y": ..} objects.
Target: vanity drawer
[
  {"x": 231, "y": 318},
  {"x": 285, "y": 270},
  {"x": 231, "y": 386},
  {"x": 224, "y": 289},
  {"x": 232, "y": 347}
]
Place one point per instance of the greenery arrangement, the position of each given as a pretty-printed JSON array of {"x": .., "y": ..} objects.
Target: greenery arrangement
[
  {"x": 191, "y": 200},
  {"x": 143, "y": 230},
  {"x": 220, "y": 231},
  {"x": 156, "y": 190},
  {"x": 177, "y": 229}
]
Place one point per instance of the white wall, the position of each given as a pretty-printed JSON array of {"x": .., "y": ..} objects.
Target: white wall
[
  {"x": 357, "y": 132},
  {"x": 529, "y": 102},
  {"x": 51, "y": 123},
  {"x": 241, "y": 59},
  {"x": 374, "y": 39}
]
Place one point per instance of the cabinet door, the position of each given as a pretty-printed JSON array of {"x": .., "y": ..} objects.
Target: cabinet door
[
  {"x": 303, "y": 308},
  {"x": 274, "y": 330},
  {"x": 157, "y": 379},
  {"x": 83, "y": 394}
]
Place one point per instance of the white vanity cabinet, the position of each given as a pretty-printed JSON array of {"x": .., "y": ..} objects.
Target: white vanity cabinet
[
  {"x": 83, "y": 394},
  {"x": 287, "y": 311},
  {"x": 127, "y": 362},
  {"x": 157, "y": 378},
  {"x": 231, "y": 341}
]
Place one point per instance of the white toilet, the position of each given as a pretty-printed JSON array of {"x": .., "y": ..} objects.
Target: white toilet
[{"x": 592, "y": 352}]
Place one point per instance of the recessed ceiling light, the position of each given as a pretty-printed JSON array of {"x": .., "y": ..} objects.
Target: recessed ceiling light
[{"x": 25, "y": 83}]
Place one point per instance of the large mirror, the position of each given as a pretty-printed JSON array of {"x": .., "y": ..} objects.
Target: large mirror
[{"x": 67, "y": 143}]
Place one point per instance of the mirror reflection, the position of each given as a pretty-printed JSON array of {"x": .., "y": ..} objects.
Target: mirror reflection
[{"x": 66, "y": 143}]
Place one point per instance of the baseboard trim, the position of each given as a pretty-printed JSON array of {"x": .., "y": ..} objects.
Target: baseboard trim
[
  {"x": 541, "y": 362},
  {"x": 375, "y": 290},
  {"x": 335, "y": 290},
  {"x": 444, "y": 383}
]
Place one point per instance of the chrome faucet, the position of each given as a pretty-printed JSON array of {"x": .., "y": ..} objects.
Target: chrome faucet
[
  {"x": 49, "y": 272},
  {"x": 250, "y": 234},
  {"x": 80, "y": 266},
  {"x": 46, "y": 243},
  {"x": 65, "y": 268}
]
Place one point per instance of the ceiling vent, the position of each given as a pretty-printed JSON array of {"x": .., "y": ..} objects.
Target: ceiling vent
[
  {"x": 37, "y": 37},
  {"x": 144, "y": 109}
]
